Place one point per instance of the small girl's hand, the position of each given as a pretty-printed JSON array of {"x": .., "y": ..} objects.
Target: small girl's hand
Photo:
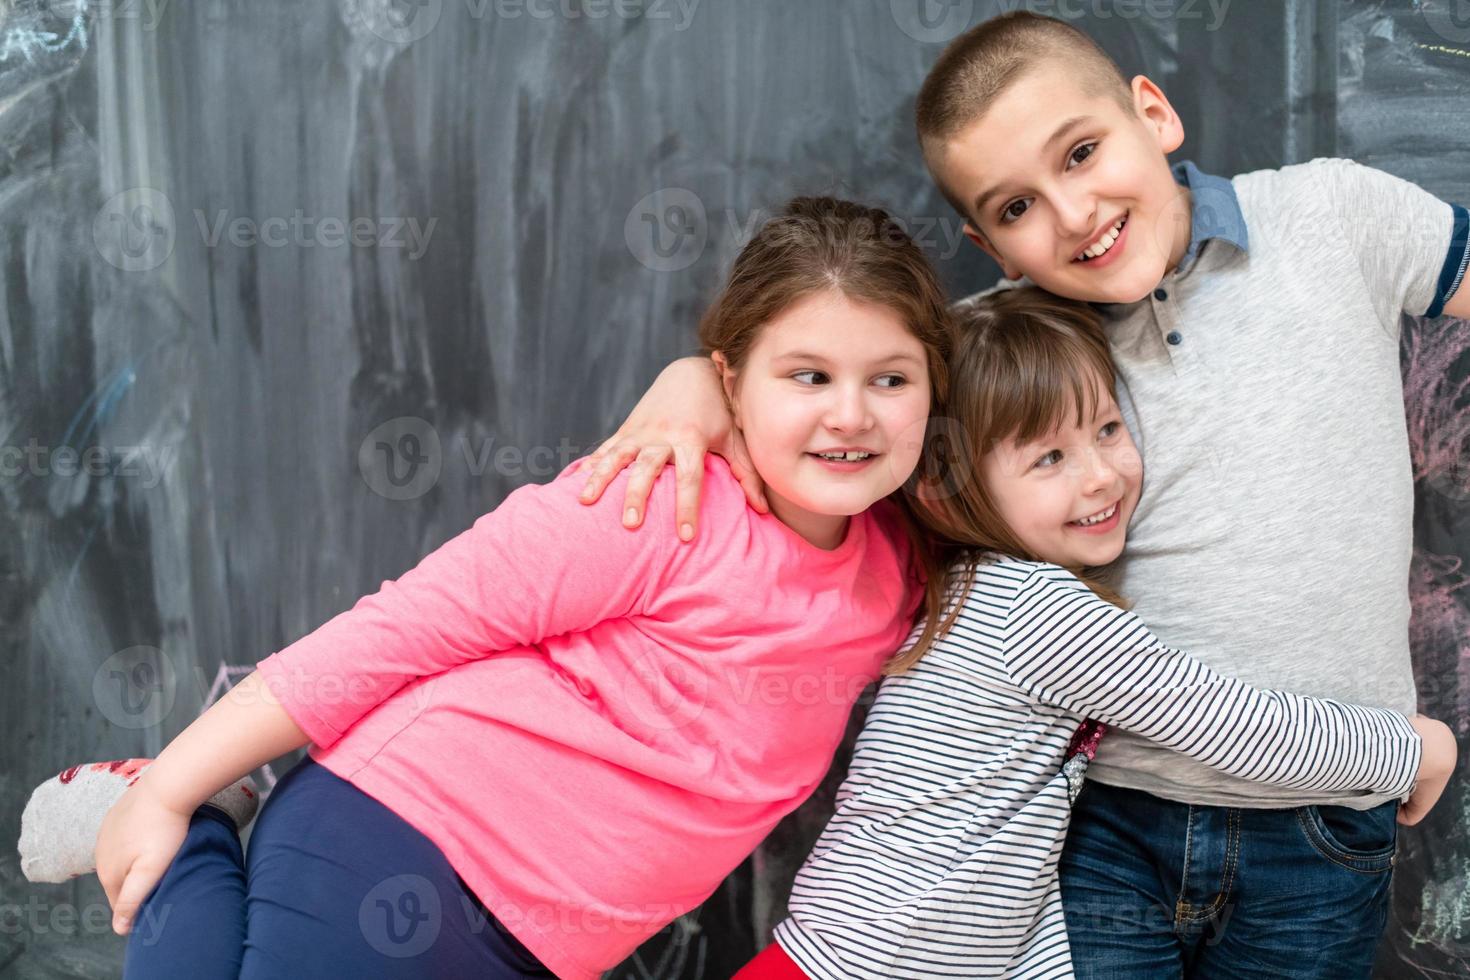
[
  {"x": 135, "y": 845},
  {"x": 1436, "y": 765}
]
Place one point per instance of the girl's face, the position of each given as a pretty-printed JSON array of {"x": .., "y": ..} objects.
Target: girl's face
[
  {"x": 827, "y": 375},
  {"x": 1052, "y": 491}
]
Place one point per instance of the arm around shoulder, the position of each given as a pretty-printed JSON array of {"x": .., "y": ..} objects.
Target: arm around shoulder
[
  {"x": 1068, "y": 647},
  {"x": 683, "y": 415}
]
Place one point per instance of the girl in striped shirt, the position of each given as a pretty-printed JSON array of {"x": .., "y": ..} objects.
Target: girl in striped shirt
[{"x": 941, "y": 857}]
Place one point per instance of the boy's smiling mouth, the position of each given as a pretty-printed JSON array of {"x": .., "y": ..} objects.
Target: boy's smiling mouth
[{"x": 1104, "y": 242}]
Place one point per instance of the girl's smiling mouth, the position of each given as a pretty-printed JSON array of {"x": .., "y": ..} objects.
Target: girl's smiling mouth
[{"x": 1101, "y": 522}]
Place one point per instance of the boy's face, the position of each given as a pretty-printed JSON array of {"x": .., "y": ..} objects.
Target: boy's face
[
  {"x": 829, "y": 373},
  {"x": 1052, "y": 176}
]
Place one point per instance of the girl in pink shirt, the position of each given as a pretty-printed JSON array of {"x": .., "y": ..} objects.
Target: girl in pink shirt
[{"x": 550, "y": 738}]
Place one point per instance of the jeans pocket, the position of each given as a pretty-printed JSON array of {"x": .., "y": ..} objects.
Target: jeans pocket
[{"x": 1359, "y": 840}]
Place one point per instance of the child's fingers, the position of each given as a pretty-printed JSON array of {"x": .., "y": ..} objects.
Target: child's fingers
[
  {"x": 142, "y": 876},
  {"x": 111, "y": 880},
  {"x": 689, "y": 481},
  {"x": 610, "y": 457},
  {"x": 744, "y": 471},
  {"x": 646, "y": 468}
]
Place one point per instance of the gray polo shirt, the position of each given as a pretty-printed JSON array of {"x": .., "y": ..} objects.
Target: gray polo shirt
[{"x": 1261, "y": 383}]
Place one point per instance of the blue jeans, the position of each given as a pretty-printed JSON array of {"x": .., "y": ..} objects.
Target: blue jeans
[
  {"x": 336, "y": 885},
  {"x": 1152, "y": 888}
]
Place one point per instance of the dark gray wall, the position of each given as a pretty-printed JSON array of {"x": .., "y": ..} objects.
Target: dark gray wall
[{"x": 546, "y": 195}]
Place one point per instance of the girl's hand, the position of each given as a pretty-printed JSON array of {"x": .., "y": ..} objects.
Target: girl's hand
[
  {"x": 135, "y": 845},
  {"x": 1435, "y": 768},
  {"x": 683, "y": 414}
]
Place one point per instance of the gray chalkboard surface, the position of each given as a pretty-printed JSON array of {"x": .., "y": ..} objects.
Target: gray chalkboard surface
[{"x": 244, "y": 245}]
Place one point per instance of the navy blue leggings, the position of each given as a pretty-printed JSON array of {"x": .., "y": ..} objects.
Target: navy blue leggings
[{"x": 336, "y": 884}]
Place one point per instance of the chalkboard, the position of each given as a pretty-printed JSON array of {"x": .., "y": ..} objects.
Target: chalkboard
[{"x": 246, "y": 244}]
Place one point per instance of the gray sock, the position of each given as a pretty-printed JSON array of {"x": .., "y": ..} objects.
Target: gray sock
[{"x": 58, "y": 829}]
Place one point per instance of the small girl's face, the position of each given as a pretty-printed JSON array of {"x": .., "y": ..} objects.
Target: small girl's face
[
  {"x": 826, "y": 375},
  {"x": 1069, "y": 496}
]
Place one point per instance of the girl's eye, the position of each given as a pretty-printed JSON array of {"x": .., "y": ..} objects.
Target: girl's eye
[
  {"x": 1009, "y": 212},
  {"x": 1114, "y": 426},
  {"x": 1087, "y": 147},
  {"x": 899, "y": 379},
  {"x": 1043, "y": 460}
]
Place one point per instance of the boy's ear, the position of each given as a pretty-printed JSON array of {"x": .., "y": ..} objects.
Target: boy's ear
[
  {"x": 978, "y": 237},
  {"x": 1155, "y": 112}
]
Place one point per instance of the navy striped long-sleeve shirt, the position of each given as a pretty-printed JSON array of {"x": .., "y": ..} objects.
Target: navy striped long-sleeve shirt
[{"x": 941, "y": 858}]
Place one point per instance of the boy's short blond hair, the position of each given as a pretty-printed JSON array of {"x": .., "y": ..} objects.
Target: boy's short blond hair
[{"x": 982, "y": 63}]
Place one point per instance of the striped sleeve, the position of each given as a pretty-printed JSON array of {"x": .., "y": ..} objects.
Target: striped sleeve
[{"x": 1066, "y": 646}]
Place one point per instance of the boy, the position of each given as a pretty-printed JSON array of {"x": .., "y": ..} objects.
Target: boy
[{"x": 1255, "y": 326}]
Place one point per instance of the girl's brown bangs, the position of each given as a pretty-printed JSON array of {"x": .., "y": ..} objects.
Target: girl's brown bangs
[{"x": 1033, "y": 402}]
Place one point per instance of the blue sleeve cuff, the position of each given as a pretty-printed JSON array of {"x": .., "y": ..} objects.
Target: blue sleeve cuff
[{"x": 1453, "y": 272}]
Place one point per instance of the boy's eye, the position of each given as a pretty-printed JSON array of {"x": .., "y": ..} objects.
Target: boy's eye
[
  {"x": 1020, "y": 205},
  {"x": 898, "y": 380},
  {"x": 1084, "y": 149}
]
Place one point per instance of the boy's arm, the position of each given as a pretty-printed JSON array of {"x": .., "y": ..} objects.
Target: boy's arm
[
  {"x": 1068, "y": 647},
  {"x": 684, "y": 415},
  {"x": 538, "y": 565}
]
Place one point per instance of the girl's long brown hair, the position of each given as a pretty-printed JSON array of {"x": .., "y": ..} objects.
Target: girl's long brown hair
[
  {"x": 1023, "y": 360},
  {"x": 813, "y": 244}
]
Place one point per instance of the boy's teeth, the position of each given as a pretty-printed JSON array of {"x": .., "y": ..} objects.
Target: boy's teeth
[{"x": 1105, "y": 242}]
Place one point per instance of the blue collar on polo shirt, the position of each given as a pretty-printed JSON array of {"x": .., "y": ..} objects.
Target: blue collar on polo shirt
[{"x": 1214, "y": 211}]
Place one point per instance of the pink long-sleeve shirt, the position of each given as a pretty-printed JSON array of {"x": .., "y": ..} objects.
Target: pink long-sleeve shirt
[{"x": 596, "y": 725}]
